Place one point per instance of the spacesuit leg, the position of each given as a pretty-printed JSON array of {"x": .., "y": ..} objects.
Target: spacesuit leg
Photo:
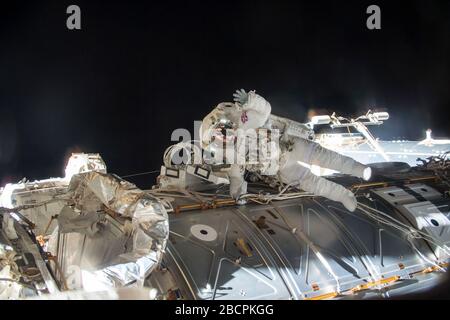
[
  {"x": 238, "y": 186},
  {"x": 307, "y": 181},
  {"x": 314, "y": 154},
  {"x": 328, "y": 189}
]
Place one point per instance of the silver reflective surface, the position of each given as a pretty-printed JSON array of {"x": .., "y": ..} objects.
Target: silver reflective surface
[{"x": 297, "y": 249}]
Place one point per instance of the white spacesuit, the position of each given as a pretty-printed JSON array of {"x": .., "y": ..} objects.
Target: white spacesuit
[{"x": 252, "y": 111}]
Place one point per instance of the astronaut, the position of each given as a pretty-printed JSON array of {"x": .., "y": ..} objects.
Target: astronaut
[{"x": 289, "y": 161}]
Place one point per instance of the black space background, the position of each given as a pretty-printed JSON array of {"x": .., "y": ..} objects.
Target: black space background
[{"x": 138, "y": 70}]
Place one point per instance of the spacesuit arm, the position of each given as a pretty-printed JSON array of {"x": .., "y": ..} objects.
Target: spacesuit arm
[
  {"x": 255, "y": 112},
  {"x": 238, "y": 186}
]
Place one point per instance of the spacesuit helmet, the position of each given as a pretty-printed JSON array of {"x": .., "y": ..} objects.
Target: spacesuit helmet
[
  {"x": 220, "y": 125},
  {"x": 218, "y": 133}
]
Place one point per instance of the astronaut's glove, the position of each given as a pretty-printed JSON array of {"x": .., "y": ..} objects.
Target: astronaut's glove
[
  {"x": 349, "y": 201},
  {"x": 240, "y": 97},
  {"x": 241, "y": 201}
]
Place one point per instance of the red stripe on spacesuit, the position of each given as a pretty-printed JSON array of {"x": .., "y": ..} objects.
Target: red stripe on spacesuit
[{"x": 244, "y": 117}]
